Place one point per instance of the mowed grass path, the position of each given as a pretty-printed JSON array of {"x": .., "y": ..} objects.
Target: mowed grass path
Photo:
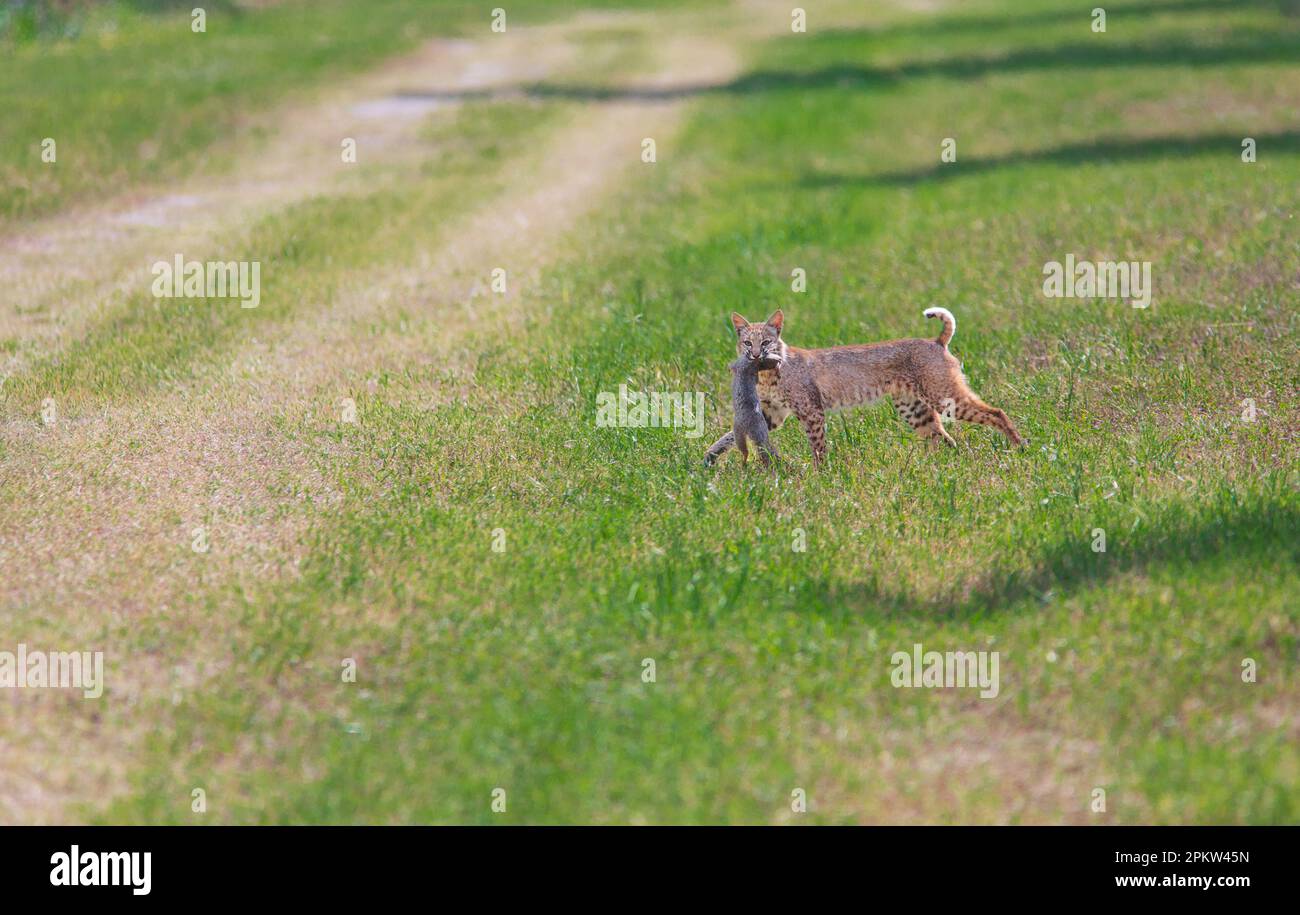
[
  {"x": 131, "y": 94},
  {"x": 523, "y": 669},
  {"x": 172, "y": 413},
  {"x": 133, "y": 97},
  {"x": 1121, "y": 670}
]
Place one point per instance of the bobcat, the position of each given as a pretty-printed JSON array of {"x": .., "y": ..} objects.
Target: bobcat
[{"x": 921, "y": 377}]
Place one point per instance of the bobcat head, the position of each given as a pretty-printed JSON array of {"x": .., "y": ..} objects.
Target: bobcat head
[{"x": 760, "y": 341}]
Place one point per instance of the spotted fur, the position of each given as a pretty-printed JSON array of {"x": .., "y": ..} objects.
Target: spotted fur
[{"x": 922, "y": 378}]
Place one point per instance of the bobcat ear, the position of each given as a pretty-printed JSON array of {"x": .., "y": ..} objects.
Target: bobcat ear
[
  {"x": 776, "y": 321},
  {"x": 738, "y": 321}
]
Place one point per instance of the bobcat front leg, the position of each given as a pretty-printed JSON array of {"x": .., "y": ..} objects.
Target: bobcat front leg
[
  {"x": 815, "y": 428},
  {"x": 720, "y": 447},
  {"x": 813, "y": 419}
]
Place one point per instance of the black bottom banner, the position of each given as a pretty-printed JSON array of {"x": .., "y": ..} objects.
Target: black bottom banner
[{"x": 337, "y": 864}]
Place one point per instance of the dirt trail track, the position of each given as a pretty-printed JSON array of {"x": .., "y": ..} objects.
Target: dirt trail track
[{"x": 98, "y": 510}]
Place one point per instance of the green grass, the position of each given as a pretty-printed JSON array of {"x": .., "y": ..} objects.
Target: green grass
[
  {"x": 143, "y": 342},
  {"x": 522, "y": 669},
  {"x": 130, "y": 94},
  {"x": 310, "y": 252},
  {"x": 1120, "y": 670}
]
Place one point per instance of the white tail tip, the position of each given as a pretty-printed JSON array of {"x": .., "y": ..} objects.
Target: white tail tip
[{"x": 949, "y": 323}]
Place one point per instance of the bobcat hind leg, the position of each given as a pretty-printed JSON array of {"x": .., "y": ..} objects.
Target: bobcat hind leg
[
  {"x": 973, "y": 410},
  {"x": 923, "y": 419}
]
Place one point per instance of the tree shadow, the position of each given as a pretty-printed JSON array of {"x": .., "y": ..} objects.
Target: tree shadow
[
  {"x": 1112, "y": 150},
  {"x": 1191, "y": 537},
  {"x": 1260, "y": 48},
  {"x": 958, "y": 25}
]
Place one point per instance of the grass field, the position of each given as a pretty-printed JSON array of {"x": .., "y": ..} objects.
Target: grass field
[{"x": 500, "y": 569}]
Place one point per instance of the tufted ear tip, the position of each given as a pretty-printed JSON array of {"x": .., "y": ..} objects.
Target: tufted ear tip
[
  {"x": 738, "y": 321},
  {"x": 776, "y": 320}
]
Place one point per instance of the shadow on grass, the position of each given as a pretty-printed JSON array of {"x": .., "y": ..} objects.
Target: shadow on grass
[
  {"x": 1232, "y": 526},
  {"x": 1192, "y": 536},
  {"x": 1118, "y": 149},
  {"x": 970, "y": 25},
  {"x": 1260, "y": 48}
]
